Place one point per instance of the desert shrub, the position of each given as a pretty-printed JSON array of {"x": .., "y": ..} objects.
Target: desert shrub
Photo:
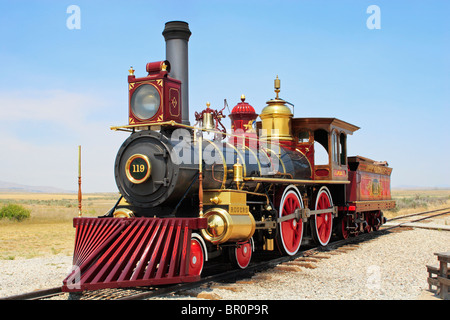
[
  {"x": 418, "y": 201},
  {"x": 14, "y": 212}
]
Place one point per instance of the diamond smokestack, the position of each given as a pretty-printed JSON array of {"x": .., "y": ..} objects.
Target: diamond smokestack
[{"x": 176, "y": 34}]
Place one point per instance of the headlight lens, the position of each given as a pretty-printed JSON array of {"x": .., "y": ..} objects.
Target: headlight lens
[{"x": 145, "y": 102}]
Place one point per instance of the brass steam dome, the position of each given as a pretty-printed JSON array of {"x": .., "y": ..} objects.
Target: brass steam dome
[{"x": 276, "y": 118}]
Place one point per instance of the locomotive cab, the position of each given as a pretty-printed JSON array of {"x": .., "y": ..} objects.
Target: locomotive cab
[{"x": 330, "y": 134}]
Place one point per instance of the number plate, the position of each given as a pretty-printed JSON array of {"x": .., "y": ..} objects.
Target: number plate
[{"x": 138, "y": 168}]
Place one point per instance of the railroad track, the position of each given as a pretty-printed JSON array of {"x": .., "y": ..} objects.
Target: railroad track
[
  {"x": 214, "y": 276},
  {"x": 407, "y": 221},
  {"x": 431, "y": 212},
  {"x": 36, "y": 295}
]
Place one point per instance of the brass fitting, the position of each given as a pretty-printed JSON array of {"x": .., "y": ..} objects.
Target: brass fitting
[{"x": 237, "y": 173}]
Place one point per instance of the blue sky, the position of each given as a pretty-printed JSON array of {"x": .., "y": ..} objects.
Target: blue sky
[{"x": 60, "y": 88}]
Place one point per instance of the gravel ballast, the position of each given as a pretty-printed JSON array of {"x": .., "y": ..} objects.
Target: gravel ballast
[
  {"x": 392, "y": 266},
  {"x": 26, "y": 275}
]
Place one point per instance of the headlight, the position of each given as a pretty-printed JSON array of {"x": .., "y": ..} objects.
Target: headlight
[
  {"x": 145, "y": 102},
  {"x": 216, "y": 226}
]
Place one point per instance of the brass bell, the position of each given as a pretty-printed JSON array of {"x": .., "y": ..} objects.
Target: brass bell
[{"x": 207, "y": 120}]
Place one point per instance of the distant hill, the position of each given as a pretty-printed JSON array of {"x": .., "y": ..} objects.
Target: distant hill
[{"x": 15, "y": 187}]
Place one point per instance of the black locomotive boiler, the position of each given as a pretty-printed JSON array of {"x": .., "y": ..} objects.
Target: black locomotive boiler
[{"x": 190, "y": 193}]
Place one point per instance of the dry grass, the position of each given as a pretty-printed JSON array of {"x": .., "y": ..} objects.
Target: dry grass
[
  {"x": 411, "y": 201},
  {"x": 49, "y": 230},
  {"x": 29, "y": 240}
]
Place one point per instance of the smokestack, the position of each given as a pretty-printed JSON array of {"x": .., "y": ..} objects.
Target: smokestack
[{"x": 176, "y": 34}]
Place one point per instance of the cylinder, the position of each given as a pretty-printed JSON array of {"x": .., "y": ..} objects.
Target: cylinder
[
  {"x": 224, "y": 226},
  {"x": 176, "y": 34}
]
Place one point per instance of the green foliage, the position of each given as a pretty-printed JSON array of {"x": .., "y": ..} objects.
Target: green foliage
[{"x": 14, "y": 212}]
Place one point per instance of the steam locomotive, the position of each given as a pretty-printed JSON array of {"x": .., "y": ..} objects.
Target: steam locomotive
[{"x": 187, "y": 199}]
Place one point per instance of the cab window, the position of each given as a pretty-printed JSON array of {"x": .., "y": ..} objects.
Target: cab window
[
  {"x": 343, "y": 148},
  {"x": 303, "y": 136},
  {"x": 321, "y": 147},
  {"x": 335, "y": 147}
]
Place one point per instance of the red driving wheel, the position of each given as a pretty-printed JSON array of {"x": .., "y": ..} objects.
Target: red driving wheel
[
  {"x": 342, "y": 231},
  {"x": 322, "y": 224},
  {"x": 290, "y": 232}
]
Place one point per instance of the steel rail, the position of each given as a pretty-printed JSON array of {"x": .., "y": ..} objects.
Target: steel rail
[
  {"x": 417, "y": 214},
  {"x": 36, "y": 295}
]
